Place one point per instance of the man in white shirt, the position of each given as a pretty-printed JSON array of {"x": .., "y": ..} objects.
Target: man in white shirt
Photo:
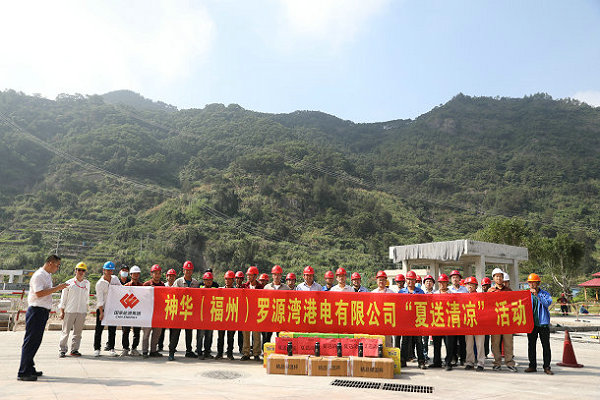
[
  {"x": 309, "y": 284},
  {"x": 461, "y": 344},
  {"x": 73, "y": 309},
  {"x": 102, "y": 285},
  {"x": 381, "y": 278},
  {"x": 40, "y": 303},
  {"x": 341, "y": 275},
  {"x": 277, "y": 274}
]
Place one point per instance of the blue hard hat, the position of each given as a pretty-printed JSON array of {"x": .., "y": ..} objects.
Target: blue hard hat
[{"x": 109, "y": 265}]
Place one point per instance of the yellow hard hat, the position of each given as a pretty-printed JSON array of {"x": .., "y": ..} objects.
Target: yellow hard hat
[{"x": 81, "y": 265}]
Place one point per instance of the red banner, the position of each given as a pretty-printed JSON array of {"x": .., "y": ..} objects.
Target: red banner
[{"x": 342, "y": 312}]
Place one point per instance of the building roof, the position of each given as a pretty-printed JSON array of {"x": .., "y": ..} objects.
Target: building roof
[
  {"x": 597, "y": 274},
  {"x": 458, "y": 250},
  {"x": 591, "y": 283}
]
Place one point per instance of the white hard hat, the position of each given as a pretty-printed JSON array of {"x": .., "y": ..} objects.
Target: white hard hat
[
  {"x": 506, "y": 277},
  {"x": 135, "y": 269},
  {"x": 497, "y": 271}
]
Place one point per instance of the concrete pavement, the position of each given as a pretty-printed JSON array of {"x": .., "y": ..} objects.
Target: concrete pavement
[{"x": 92, "y": 378}]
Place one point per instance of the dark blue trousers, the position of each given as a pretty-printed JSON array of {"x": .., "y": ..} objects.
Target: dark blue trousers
[{"x": 35, "y": 323}]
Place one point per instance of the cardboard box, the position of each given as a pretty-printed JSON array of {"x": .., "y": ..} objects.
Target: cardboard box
[
  {"x": 266, "y": 355},
  {"x": 287, "y": 365},
  {"x": 269, "y": 346},
  {"x": 394, "y": 354},
  {"x": 286, "y": 334},
  {"x": 371, "y": 367},
  {"x": 328, "y": 366}
]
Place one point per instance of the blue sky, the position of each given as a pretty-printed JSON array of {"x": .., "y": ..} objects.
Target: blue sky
[{"x": 365, "y": 61}]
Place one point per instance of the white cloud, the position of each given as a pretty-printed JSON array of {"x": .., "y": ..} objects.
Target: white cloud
[
  {"x": 591, "y": 97},
  {"x": 333, "y": 21},
  {"x": 94, "y": 47}
]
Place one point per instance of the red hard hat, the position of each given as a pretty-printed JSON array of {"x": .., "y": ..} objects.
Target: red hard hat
[
  {"x": 188, "y": 265},
  {"x": 443, "y": 278},
  {"x": 291, "y": 275},
  {"x": 276, "y": 270},
  {"x": 428, "y": 277},
  {"x": 486, "y": 281},
  {"x": 155, "y": 267},
  {"x": 455, "y": 272},
  {"x": 263, "y": 277},
  {"x": 462, "y": 282},
  {"x": 252, "y": 270},
  {"x": 419, "y": 278},
  {"x": 399, "y": 278},
  {"x": 381, "y": 274},
  {"x": 329, "y": 274},
  {"x": 239, "y": 274},
  {"x": 340, "y": 271},
  {"x": 355, "y": 275},
  {"x": 471, "y": 279},
  {"x": 411, "y": 275},
  {"x": 308, "y": 270},
  {"x": 207, "y": 275},
  {"x": 171, "y": 272},
  {"x": 229, "y": 275}
]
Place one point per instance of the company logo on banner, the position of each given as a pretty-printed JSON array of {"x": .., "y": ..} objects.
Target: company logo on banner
[{"x": 129, "y": 306}]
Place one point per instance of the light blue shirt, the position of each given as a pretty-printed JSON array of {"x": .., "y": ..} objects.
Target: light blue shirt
[{"x": 312, "y": 288}]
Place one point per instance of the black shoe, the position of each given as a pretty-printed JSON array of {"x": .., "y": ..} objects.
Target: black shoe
[
  {"x": 62, "y": 354},
  {"x": 106, "y": 348},
  {"x": 145, "y": 354},
  {"x": 469, "y": 367},
  {"x": 449, "y": 367},
  {"x": 422, "y": 365},
  {"x": 245, "y": 358},
  {"x": 37, "y": 373},
  {"x": 402, "y": 364},
  {"x": 230, "y": 356},
  {"x": 160, "y": 348},
  {"x": 27, "y": 378},
  {"x": 435, "y": 366},
  {"x": 209, "y": 356},
  {"x": 75, "y": 354},
  {"x": 479, "y": 368},
  {"x": 219, "y": 357},
  {"x": 155, "y": 354},
  {"x": 201, "y": 356},
  {"x": 171, "y": 357},
  {"x": 190, "y": 354},
  {"x": 257, "y": 358}
]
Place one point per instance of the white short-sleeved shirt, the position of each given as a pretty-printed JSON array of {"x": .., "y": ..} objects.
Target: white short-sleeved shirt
[
  {"x": 386, "y": 290},
  {"x": 312, "y": 288},
  {"x": 40, "y": 280},
  {"x": 102, "y": 289},
  {"x": 346, "y": 288},
  {"x": 75, "y": 298}
]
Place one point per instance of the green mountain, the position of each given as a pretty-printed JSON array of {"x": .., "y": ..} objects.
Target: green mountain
[{"x": 113, "y": 177}]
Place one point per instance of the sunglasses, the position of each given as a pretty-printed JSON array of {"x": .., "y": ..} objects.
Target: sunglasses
[{"x": 80, "y": 270}]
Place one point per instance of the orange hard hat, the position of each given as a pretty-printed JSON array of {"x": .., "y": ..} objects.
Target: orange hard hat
[
  {"x": 252, "y": 270},
  {"x": 471, "y": 279},
  {"x": 381, "y": 274},
  {"x": 239, "y": 274},
  {"x": 486, "y": 281},
  {"x": 291, "y": 275},
  {"x": 276, "y": 270},
  {"x": 263, "y": 277},
  {"x": 155, "y": 267},
  {"x": 188, "y": 265},
  {"x": 207, "y": 275},
  {"x": 443, "y": 278},
  {"x": 329, "y": 274},
  {"x": 428, "y": 277},
  {"x": 399, "y": 278},
  {"x": 533, "y": 278},
  {"x": 229, "y": 275},
  {"x": 411, "y": 275},
  {"x": 340, "y": 271},
  {"x": 171, "y": 272},
  {"x": 455, "y": 272},
  {"x": 308, "y": 270},
  {"x": 355, "y": 275}
]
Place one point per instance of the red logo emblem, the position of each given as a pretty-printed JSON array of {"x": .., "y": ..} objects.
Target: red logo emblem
[{"x": 129, "y": 300}]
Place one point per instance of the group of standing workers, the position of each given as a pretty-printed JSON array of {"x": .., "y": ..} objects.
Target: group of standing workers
[{"x": 75, "y": 294}]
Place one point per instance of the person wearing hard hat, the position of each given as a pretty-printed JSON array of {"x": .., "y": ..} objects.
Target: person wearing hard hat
[
  {"x": 356, "y": 280},
  {"x": 400, "y": 281},
  {"x": 478, "y": 340},
  {"x": 341, "y": 276},
  {"x": 428, "y": 283},
  {"x": 409, "y": 341},
  {"x": 507, "y": 338},
  {"x": 171, "y": 277},
  {"x": 263, "y": 279},
  {"x": 419, "y": 282},
  {"x": 457, "y": 287},
  {"x": 277, "y": 274},
  {"x": 540, "y": 301},
  {"x": 205, "y": 336},
  {"x": 135, "y": 273},
  {"x": 309, "y": 284},
  {"x": 185, "y": 281},
  {"x": 239, "y": 281},
  {"x": 252, "y": 283},
  {"x": 229, "y": 278},
  {"x": 507, "y": 280},
  {"x": 382, "y": 279},
  {"x": 124, "y": 274},
  {"x": 290, "y": 280},
  {"x": 40, "y": 303},
  {"x": 450, "y": 343},
  {"x": 147, "y": 343},
  {"x": 486, "y": 283},
  {"x": 73, "y": 308},
  {"x": 329, "y": 280},
  {"x": 102, "y": 285}
]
